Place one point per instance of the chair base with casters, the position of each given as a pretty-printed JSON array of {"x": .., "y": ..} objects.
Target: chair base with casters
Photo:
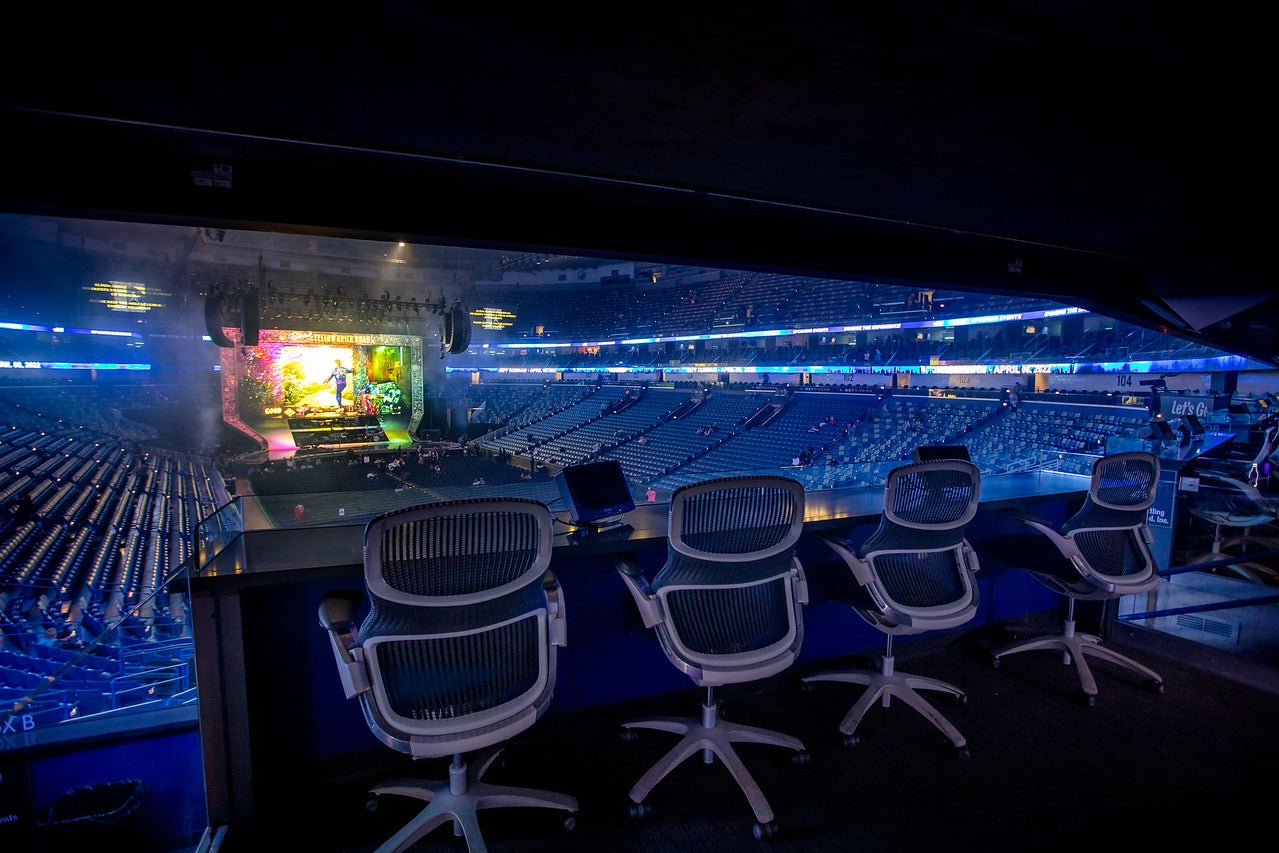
[
  {"x": 883, "y": 685},
  {"x": 913, "y": 574},
  {"x": 713, "y": 737},
  {"x": 1237, "y": 506},
  {"x": 1101, "y": 553},
  {"x": 1077, "y": 648},
  {"x": 460, "y": 797},
  {"x": 726, "y": 609}
]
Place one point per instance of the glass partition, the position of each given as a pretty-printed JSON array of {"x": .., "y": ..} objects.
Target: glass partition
[
  {"x": 149, "y": 423},
  {"x": 219, "y": 531}
]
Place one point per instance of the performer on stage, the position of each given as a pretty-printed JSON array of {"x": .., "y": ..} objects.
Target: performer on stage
[{"x": 338, "y": 376}]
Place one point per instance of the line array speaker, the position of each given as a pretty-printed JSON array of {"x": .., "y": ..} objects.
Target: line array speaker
[
  {"x": 249, "y": 319},
  {"x": 456, "y": 335},
  {"x": 213, "y": 322}
]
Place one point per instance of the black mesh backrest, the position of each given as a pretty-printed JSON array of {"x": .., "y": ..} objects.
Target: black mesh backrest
[
  {"x": 449, "y": 677},
  {"x": 730, "y": 620},
  {"x": 1125, "y": 481},
  {"x": 471, "y": 548},
  {"x": 735, "y": 518},
  {"x": 1107, "y": 529},
  {"x": 458, "y": 611},
  {"x": 727, "y": 579},
  {"x": 916, "y": 552},
  {"x": 939, "y": 494}
]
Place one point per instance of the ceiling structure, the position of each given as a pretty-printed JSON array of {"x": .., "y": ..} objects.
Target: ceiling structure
[{"x": 1113, "y": 156}]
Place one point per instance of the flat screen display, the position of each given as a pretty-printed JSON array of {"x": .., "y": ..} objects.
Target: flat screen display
[
  {"x": 927, "y": 453},
  {"x": 595, "y": 491}
]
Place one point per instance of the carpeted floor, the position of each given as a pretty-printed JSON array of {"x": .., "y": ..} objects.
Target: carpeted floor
[{"x": 1046, "y": 772}]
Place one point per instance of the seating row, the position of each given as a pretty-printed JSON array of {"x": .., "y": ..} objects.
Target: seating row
[{"x": 457, "y": 653}]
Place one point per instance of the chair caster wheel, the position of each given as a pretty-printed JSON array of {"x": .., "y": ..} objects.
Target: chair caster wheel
[
  {"x": 628, "y": 735},
  {"x": 850, "y": 740},
  {"x": 801, "y": 758},
  {"x": 1090, "y": 699},
  {"x": 1158, "y": 687},
  {"x": 570, "y": 823},
  {"x": 962, "y": 699},
  {"x": 995, "y": 662},
  {"x": 962, "y": 753},
  {"x": 807, "y": 687},
  {"x": 765, "y": 831},
  {"x": 371, "y": 805},
  {"x": 640, "y": 810}
]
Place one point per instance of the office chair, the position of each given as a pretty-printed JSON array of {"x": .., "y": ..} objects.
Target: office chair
[
  {"x": 1231, "y": 504},
  {"x": 457, "y": 654},
  {"x": 914, "y": 574},
  {"x": 1104, "y": 551},
  {"x": 727, "y": 609}
]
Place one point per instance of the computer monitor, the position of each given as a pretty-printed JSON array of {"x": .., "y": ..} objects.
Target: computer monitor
[
  {"x": 1192, "y": 421},
  {"x": 596, "y": 493},
  {"x": 929, "y": 452}
]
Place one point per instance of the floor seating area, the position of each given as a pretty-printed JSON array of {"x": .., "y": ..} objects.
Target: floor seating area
[{"x": 96, "y": 526}]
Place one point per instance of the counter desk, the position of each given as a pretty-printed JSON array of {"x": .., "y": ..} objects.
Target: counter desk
[{"x": 272, "y": 711}]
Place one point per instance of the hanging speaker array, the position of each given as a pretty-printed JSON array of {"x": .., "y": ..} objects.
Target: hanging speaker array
[
  {"x": 213, "y": 320},
  {"x": 456, "y": 335},
  {"x": 247, "y": 306},
  {"x": 249, "y": 320}
]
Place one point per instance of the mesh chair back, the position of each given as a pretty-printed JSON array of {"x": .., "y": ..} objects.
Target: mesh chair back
[
  {"x": 729, "y": 583},
  {"x": 433, "y": 555},
  {"x": 1125, "y": 481},
  {"x": 457, "y": 634},
  {"x": 1110, "y": 528},
  {"x": 731, "y": 519},
  {"x": 940, "y": 494},
  {"x": 917, "y": 554}
]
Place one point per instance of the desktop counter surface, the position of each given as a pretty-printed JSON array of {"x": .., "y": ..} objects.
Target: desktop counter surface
[{"x": 273, "y": 555}]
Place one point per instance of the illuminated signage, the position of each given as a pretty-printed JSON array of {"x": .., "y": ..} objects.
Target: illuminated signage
[
  {"x": 129, "y": 297},
  {"x": 493, "y": 318}
]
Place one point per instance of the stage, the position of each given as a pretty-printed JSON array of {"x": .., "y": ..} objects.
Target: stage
[
  {"x": 282, "y": 390},
  {"x": 324, "y": 429}
]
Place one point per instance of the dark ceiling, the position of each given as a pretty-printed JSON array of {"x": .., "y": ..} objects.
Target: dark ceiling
[{"x": 1112, "y": 155}]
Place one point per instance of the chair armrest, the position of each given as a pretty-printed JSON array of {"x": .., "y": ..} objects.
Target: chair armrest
[
  {"x": 801, "y": 582},
  {"x": 1027, "y": 517},
  {"x": 1064, "y": 545},
  {"x": 337, "y": 616},
  {"x": 970, "y": 558},
  {"x": 556, "y": 615},
  {"x": 860, "y": 569},
  {"x": 337, "y": 610},
  {"x": 650, "y": 607},
  {"x": 1071, "y": 552}
]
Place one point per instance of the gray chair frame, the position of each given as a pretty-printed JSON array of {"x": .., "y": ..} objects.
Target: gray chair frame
[
  {"x": 731, "y": 575},
  {"x": 453, "y": 586},
  {"x": 1122, "y": 488},
  {"x": 915, "y": 574}
]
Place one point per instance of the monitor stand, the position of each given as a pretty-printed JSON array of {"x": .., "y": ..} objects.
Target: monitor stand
[
  {"x": 587, "y": 529},
  {"x": 601, "y": 524}
]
